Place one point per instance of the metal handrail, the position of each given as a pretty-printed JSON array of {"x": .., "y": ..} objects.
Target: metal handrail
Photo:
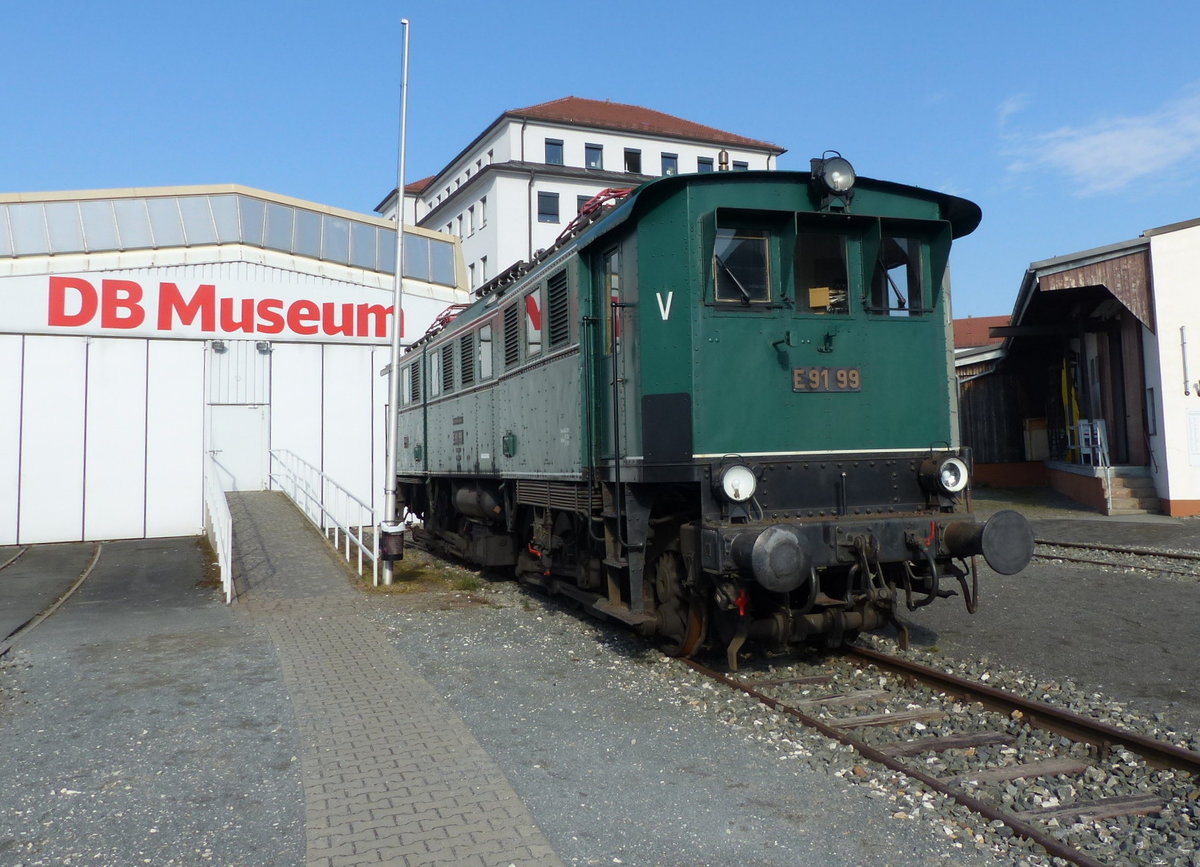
[
  {"x": 337, "y": 513},
  {"x": 218, "y": 525}
]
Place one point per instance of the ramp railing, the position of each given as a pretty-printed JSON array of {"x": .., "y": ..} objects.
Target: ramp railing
[
  {"x": 218, "y": 525},
  {"x": 343, "y": 518}
]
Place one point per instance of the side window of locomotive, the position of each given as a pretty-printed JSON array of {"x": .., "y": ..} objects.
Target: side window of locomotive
[
  {"x": 897, "y": 282},
  {"x": 485, "y": 352},
  {"x": 610, "y": 295},
  {"x": 742, "y": 267},
  {"x": 435, "y": 374},
  {"x": 512, "y": 336},
  {"x": 406, "y": 396},
  {"x": 822, "y": 278},
  {"x": 533, "y": 322}
]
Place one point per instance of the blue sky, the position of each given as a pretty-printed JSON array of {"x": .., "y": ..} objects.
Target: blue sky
[{"x": 1072, "y": 124}]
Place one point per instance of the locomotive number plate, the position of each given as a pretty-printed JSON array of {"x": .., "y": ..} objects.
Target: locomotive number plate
[{"x": 826, "y": 379}]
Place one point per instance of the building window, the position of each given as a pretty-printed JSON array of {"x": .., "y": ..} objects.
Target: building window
[
  {"x": 483, "y": 269},
  {"x": 580, "y": 201},
  {"x": 633, "y": 161},
  {"x": 741, "y": 166},
  {"x": 471, "y": 271},
  {"x": 670, "y": 164},
  {"x": 554, "y": 151},
  {"x": 458, "y": 222},
  {"x": 471, "y": 219},
  {"x": 483, "y": 212},
  {"x": 547, "y": 207},
  {"x": 593, "y": 156},
  {"x": 704, "y": 164}
]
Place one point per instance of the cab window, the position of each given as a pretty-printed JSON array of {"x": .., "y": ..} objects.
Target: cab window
[
  {"x": 741, "y": 266},
  {"x": 822, "y": 280},
  {"x": 898, "y": 281}
]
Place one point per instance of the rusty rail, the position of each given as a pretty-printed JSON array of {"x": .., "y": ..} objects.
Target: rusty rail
[
  {"x": 1020, "y": 827},
  {"x": 1038, "y": 713}
]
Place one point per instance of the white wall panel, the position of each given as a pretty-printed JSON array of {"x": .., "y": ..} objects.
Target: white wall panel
[
  {"x": 52, "y": 436},
  {"x": 347, "y": 418},
  {"x": 115, "y": 452},
  {"x": 296, "y": 385},
  {"x": 175, "y": 439},
  {"x": 10, "y": 434},
  {"x": 239, "y": 373},
  {"x": 381, "y": 357}
]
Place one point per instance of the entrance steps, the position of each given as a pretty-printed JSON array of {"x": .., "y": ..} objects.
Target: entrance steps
[{"x": 1132, "y": 493}]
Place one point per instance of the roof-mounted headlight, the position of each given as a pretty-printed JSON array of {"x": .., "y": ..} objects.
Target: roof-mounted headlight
[
  {"x": 834, "y": 177},
  {"x": 944, "y": 474},
  {"x": 736, "y": 483}
]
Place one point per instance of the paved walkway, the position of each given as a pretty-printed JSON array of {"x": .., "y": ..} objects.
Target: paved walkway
[{"x": 391, "y": 774}]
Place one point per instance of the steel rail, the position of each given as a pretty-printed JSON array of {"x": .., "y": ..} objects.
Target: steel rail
[
  {"x": 7, "y": 644},
  {"x": 1020, "y": 827},
  {"x": 1040, "y": 714},
  {"x": 1119, "y": 549}
]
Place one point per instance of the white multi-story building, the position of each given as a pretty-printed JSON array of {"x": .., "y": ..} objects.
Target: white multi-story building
[{"x": 513, "y": 190}]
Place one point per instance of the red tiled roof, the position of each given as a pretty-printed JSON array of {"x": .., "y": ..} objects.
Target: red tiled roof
[
  {"x": 632, "y": 118},
  {"x": 417, "y": 187},
  {"x": 973, "y": 331}
]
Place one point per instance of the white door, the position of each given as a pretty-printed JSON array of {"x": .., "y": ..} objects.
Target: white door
[{"x": 237, "y": 441}]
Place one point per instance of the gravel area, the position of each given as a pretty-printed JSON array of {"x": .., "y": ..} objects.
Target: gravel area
[
  {"x": 626, "y": 756},
  {"x": 144, "y": 724}
]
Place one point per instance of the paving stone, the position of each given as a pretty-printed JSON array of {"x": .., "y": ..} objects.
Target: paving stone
[{"x": 390, "y": 771}]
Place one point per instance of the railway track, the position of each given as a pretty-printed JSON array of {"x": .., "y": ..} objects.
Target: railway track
[
  {"x": 7, "y": 641},
  {"x": 1074, "y": 786},
  {"x": 1116, "y": 556}
]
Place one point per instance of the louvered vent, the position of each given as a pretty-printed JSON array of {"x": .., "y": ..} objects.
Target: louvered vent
[
  {"x": 559, "y": 303},
  {"x": 448, "y": 367},
  {"x": 512, "y": 336},
  {"x": 466, "y": 358},
  {"x": 414, "y": 393}
]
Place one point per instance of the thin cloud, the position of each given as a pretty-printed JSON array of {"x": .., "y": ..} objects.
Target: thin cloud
[
  {"x": 1110, "y": 154},
  {"x": 1010, "y": 106}
]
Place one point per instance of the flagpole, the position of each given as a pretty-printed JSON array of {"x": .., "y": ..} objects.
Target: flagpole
[{"x": 391, "y": 531}]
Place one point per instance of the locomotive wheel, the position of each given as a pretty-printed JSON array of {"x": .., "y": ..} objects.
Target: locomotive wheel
[{"x": 681, "y": 614}]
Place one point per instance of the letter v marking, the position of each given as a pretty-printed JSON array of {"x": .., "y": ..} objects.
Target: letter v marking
[{"x": 665, "y": 308}]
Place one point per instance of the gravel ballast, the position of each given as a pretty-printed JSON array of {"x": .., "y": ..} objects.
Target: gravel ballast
[{"x": 626, "y": 756}]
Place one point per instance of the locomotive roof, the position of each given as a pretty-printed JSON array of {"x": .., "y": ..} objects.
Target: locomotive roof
[{"x": 962, "y": 214}]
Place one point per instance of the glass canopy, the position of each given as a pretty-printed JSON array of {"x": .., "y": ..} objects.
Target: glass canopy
[{"x": 205, "y": 219}]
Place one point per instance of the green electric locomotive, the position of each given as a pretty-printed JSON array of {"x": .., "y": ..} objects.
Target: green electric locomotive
[{"x": 722, "y": 409}]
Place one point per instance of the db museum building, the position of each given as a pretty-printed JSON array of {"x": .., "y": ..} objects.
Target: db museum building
[{"x": 143, "y": 329}]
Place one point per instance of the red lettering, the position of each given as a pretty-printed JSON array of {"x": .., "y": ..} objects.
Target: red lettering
[
  {"x": 120, "y": 307},
  {"x": 329, "y": 326},
  {"x": 87, "y": 302},
  {"x": 247, "y": 321},
  {"x": 302, "y": 317},
  {"x": 270, "y": 315},
  {"x": 202, "y": 303},
  {"x": 373, "y": 320}
]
